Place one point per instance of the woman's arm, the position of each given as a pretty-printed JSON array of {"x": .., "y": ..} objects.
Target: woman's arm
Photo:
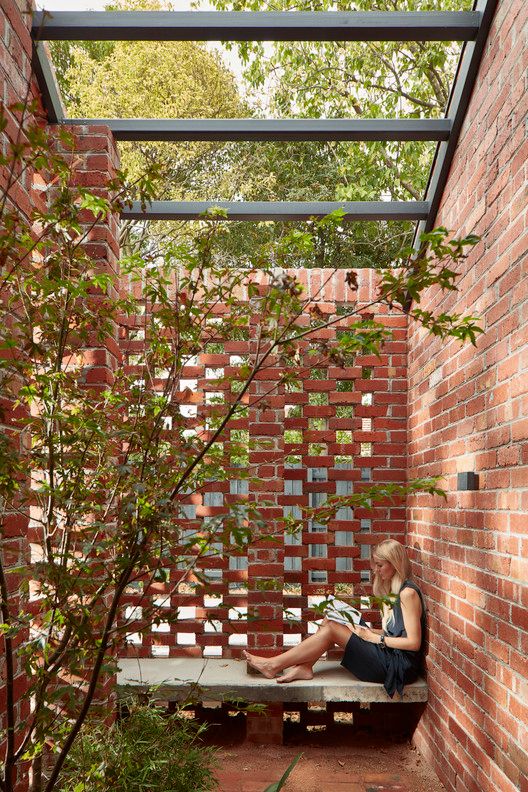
[{"x": 411, "y": 611}]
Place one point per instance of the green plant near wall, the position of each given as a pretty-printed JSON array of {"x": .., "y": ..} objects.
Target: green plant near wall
[
  {"x": 147, "y": 751},
  {"x": 106, "y": 472},
  {"x": 278, "y": 785}
]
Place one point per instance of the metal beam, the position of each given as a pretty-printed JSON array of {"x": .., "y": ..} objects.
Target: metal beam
[
  {"x": 284, "y": 130},
  {"x": 50, "y": 93},
  {"x": 280, "y": 210},
  {"x": 458, "y": 103},
  {"x": 255, "y": 26}
]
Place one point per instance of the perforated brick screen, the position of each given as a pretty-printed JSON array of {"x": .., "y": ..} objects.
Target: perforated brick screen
[{"x": 341, "y": 428}]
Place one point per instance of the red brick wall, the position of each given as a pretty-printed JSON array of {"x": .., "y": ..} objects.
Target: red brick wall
[
  {"x": 15, "y": 86},
  {"x": 96, "y": 161},
  {"x": 342, "y": 442},
  {"x": 468, "y": 411},
  {"x": 340, "y": 429}
]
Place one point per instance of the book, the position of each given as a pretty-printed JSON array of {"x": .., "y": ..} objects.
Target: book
[{"x": 341, "y": 612}]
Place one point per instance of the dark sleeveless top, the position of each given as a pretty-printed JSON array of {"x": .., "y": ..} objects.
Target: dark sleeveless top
[
  {"x": 403, "y": 665},
  {"x": 372, "y": 662}
]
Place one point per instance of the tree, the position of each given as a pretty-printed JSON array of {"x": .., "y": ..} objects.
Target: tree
[
  {"x": 108, "y": 467},
  {"x": 306, "y": 171},
  {"x": 164, "y": 79},
  {"x": 127, "y": 79},
  {"x": 356, "y": 80},
  {"x": 362, "y": 80}
]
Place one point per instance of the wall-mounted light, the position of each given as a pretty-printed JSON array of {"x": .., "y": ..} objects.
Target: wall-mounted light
[{"x": 467, "y": 481}]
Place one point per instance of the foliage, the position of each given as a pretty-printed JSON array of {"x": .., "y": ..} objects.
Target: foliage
[
  {"x": 148, "y": 750},
  {"x": 357, "y": 80},
  {"x": 185, "y": 80},
  {"x": 103, "y": 466},
  {"x": 348, "y": 80},
  {"x": 159, "y": 80},
  {"x": 155, "y": 79},
  {"x": 109, "y": 79}
]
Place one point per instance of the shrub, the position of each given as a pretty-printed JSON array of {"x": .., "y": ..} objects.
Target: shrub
[{"x": 146, "y": 752}]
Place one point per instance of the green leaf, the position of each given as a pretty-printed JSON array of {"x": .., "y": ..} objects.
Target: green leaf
[
  {"x": 94, "y": 203},
  {"x": 279, "y": 784}
]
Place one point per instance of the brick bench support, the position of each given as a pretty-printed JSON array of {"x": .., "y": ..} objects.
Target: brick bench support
[
  {"x": 265, "y": 728},
  {"x": 180, "y": 679}
]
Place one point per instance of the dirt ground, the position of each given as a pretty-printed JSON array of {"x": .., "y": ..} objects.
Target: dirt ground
[
  {"x": 339, "y": 757},
  {"x": 361, "y": 763}
]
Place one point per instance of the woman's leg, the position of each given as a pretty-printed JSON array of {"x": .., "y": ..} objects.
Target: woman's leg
[{"x": 303, "y": 656}]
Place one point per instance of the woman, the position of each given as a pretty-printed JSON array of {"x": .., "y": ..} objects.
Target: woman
[{"x": 391, "y": 655}]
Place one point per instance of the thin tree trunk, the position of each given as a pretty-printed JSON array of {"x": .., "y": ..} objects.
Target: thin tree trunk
[{"x": 36, "y": 775}]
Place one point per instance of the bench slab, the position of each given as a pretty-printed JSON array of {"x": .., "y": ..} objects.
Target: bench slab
[{"x": 219, "y": 680}]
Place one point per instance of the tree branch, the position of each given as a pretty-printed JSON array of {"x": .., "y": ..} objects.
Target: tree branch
[{"x": 9, "y": 761}]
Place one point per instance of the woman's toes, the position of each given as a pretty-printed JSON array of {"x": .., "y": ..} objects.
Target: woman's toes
[{"x": 296, "y": 672}]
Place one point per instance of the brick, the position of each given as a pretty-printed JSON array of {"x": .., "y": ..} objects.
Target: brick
[{"x": 483, "y": 379}]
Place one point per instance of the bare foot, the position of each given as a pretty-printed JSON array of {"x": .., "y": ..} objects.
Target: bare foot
[
  {"x": 261, "y": 664},
  {"x": 297, "y": 672}
]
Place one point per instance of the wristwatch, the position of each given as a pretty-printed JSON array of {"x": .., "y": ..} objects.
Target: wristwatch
[{"x": 382, "y": 641}]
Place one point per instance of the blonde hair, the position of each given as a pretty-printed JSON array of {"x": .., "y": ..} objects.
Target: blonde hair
[{"x": 392, "y": 551}]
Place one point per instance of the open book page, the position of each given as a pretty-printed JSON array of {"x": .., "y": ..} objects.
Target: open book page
[{"x": 342, "y": 612}]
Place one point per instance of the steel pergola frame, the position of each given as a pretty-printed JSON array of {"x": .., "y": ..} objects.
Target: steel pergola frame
[
  {"x": 271, "y": 129},
  {"x": 470, "y": 27},
  {"x": 279, "y": 210},
  {"x": 257, "y": 26}
]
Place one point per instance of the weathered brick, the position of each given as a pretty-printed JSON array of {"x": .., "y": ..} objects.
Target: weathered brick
[{"x": 489, "y": 381}]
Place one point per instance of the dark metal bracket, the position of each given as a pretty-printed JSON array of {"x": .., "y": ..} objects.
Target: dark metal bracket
[{"x": 283, "y": 130}]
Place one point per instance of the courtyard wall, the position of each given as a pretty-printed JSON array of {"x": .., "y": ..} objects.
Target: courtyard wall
[
  {"x": 468, "y": 411},
  {"x": 22, "y": 191},
  {"x": 340, "y": 429},
  {"x": 96, "y": 159}
]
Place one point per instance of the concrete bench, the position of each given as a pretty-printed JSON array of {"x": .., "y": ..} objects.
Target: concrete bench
[
  {"x": 218, "y": 680},
  {"x": 205, "y": 679}
]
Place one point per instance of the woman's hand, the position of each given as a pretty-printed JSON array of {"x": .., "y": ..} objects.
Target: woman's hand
[{"x": 366, "y": 634}]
